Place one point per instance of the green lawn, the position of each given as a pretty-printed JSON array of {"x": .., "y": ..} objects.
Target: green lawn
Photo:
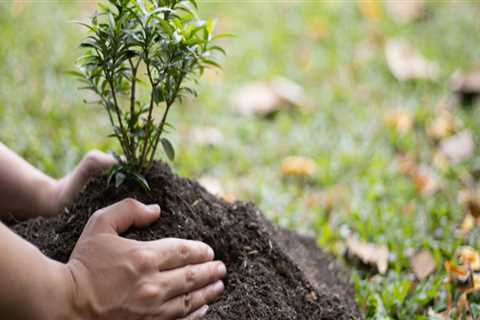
[{"x": 318, "y": 45}]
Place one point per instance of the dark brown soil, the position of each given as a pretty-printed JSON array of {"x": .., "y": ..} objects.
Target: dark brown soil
[{"x": 272, "y": 274}]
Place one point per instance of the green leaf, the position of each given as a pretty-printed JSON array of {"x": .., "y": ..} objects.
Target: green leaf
[
  {"x": 75, "y": 73},
  {"x": 141, "y": 180},
  {"x": 223, "y": 35},
  {"x": 219, "y": 49},
  {"x": 168, "y": 148},
  {"x": 211, "y": 63}
]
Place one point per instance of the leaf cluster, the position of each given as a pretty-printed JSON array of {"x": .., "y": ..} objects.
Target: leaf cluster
[{"x": 139, "y": 56}]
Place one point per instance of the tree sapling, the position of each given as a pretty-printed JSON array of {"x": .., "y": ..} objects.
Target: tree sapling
[{"x": 139, "y": 56}]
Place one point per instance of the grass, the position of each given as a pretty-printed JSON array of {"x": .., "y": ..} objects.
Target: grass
[{"x": 317, "y": 45}]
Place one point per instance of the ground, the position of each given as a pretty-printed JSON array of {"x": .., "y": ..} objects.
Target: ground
[{"x": 335, "y": 52}]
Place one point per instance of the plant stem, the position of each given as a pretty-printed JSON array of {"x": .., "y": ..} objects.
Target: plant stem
[
  {"x": 132, "y": 102},
  {"x": 120, "y": 121},
  {"x": 154, "y": 146},
  {"x": 149, "y": 118}
]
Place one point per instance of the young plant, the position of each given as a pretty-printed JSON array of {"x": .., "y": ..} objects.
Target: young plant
[{"x": 139, "y": 57}]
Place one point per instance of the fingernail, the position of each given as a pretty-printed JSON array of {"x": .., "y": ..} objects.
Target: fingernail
[
  {"x": 219, "y": 286},
  {"x": 203, "y": 311},
  {"x": 154, "y": 208},
  {"x": 222, "y": 269},
  {"x": 211, "y": 254}
]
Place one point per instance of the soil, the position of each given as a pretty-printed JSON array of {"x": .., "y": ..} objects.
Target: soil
[{"x": 272, "y": 273}]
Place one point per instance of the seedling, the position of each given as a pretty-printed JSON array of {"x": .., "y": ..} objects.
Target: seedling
[{"x": 141, "y": 56}]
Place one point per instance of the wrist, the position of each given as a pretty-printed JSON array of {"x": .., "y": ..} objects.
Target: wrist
[
  {"x": 47, "y": 197},
  {"x": 58, "y": 299}
]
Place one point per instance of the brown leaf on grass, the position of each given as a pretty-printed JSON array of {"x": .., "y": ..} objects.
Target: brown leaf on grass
[
  {"x": 405, "y": 11},
  {"x": 424, "y": 177},
  {"x": 438, "y": 315},
  {"x": 470, "y": 199},
  {"x": 427, "y": 180},
  {"x": 319, "y": 29},
  {"x": 266, "y": 98},
  {"x": 256, "y": 98},
  {"x": 298, "y": 166},
  {"x": 469, "y": 258},
  {"x": 370, "y": 9},
  {"x": 459, "y": 147},
  {"x": 444, "y": 125},
  {"x": 423, "y": 264},
  {"x": 466, "y": 84},
  {"x": 368, "y": 253},
  {"x": 467, "y": 225},
  {"x": 207, "y": 136},
  {"x": 401, "y": 120},
  {"x": 406, "y": 63}
]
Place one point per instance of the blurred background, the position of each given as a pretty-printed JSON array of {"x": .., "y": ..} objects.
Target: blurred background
[{"x": 353, "y": 121}]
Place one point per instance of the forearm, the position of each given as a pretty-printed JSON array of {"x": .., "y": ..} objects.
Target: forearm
[
  {"x": 31, "y": 285},
  {"x": 24, "y": 190}
]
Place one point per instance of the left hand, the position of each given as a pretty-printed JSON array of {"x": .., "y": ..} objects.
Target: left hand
[{"x": 94, "y": 164}]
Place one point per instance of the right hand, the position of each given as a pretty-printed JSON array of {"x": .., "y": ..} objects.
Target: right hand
[{"x": 118, "y": 278}]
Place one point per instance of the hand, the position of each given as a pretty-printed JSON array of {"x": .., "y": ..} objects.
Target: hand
[
  {"x": 93, "y": 164},
  {"x": 117, "y": 278}
]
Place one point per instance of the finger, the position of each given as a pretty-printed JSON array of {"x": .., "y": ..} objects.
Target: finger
[
  {"x": 93, "y": 164},
  {"x": 184, "y": 305},
  {"x": 120, "y": 216},
  {"x": 200, "y": 313},
  {"x": 175, "y": 253},
  {"x": 190, "y": 278}
]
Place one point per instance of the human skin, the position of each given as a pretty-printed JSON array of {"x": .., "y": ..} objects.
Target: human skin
[
  {"x": 107, "y": 276},
  {"x": 26, "y": 192}
]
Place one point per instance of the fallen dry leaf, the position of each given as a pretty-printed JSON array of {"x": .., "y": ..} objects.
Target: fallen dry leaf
[
  {"x": 463, "y": 276},
  {"x": 406, "y": 63},
  {"x": 370, "y": 9},
  {"x": 444, "y": 125},
  {"x": 468, "y": 257},
  {"x": 423, "y": 264},
  {"x": 266, "y": 98},
  {"x": 299, "y": 167},
  {"x": 369, "y": 253},
  {"x": 207, "y": 136},
  {"x": 401, "y": 120},
  {"x": 470, "y": 199},
  {"x": 290, "y": 92},
  {"x": 459, "y": 147},
  {"x": 438, "y": 315},
  {"x": 466, "y": 84},
  {"x": 467, "y": 225},
  {"x": 319, "y": 29},
  {"x": 405, "y": 11},
  {"x": 425, "y": 178},
  {"x": 256, "y": 98}
]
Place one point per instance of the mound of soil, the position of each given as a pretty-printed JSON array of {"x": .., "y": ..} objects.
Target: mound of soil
[{"x": 272, "y": 273}]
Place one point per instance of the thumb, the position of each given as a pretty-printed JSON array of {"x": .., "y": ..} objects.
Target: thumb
[{"x": 119, "y": 217}]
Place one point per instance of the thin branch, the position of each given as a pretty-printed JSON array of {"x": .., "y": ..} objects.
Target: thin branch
[{"x": 118, "y": 111}]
